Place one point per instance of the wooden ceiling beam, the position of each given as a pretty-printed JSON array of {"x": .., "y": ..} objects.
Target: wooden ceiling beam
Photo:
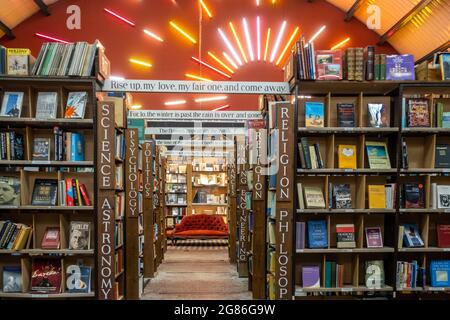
[
  {"x": 429, "y": 56},
  {"x": 9, "y": 34},
  {"x": 43, "y": 7},
  {"x": 351, "y": 12},
  {"x": 404, "y": 21}
]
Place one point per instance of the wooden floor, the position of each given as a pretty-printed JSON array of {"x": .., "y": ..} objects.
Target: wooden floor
[{"x": 192, "y": 274}]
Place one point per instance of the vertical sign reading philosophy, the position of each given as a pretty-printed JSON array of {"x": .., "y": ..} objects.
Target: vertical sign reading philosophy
[
  {"x": 132, "y": 175},
  {"x": 106, "y": 202},
  {"x": 285, "y": 202}
]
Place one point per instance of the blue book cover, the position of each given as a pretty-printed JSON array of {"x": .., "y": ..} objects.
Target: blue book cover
[
  {"x": 314, "y": 114},
  {"x": 411, "y": 236},
  {"x": 77, "y": 148},
  {"x": 445, "y": 119},
  {"x": 78, "y": 279},
  {"x": 317, "y": 234},
  {"x": 445, "y": 65},
  {"x": 440, "y": 273},
  {"x": 400, "y": 67}
]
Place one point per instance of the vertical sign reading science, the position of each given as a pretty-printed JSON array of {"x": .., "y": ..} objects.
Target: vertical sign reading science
[
  {"x": 285, "y": 202},
  {"x": 105, "y": 217}
]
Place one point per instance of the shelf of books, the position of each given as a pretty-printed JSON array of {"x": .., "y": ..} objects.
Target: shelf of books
[
  {"x": 48, "y": 196},
  {"x": 134, "y": 212},
  {"x": 423, "y": 227},
  {"x": 178, "y": 191},
  {"x": 159, "y": 226}
]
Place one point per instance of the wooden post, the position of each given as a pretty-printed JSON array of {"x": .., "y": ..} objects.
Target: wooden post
[
  {"x": 106, "y": 202},
  {"x": 258, "y": 134},
  {"x": 132, "y": 214},
  {"x": 232, "y": 210},
  {"x": 149, "y": 262},
  {"x": 284, "y": 228}
]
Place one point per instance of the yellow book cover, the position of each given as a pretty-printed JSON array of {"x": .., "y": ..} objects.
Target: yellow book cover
[
  {"x": 377, "y": 197},
  {"x": 17, "y": 61},
  {"x": 347, "y": 156}
]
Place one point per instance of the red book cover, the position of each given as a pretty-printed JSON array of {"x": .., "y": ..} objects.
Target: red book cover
[
  {"x": 50, "y": 240},
  {"x": 46, "y": 276},
  {"x": 329, "y": 64},
  {"x": 85, "y": 195},
  {"x": 443, "y": 235},
  {"x": 69, "y": 193}
]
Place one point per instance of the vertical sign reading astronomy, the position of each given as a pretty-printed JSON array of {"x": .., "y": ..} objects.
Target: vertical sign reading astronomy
[
  {"x": 105, "y": 217},
  {"x": 285, "y": 202}
]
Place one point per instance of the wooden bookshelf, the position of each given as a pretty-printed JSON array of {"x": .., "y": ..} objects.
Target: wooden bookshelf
[
  {"x": 27, "y": 170},
  {"x": 148, "y": 173}
]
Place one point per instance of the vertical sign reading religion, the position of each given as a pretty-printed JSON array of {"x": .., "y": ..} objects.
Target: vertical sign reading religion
[
  {"x": 132, "y": 180},
  {"x": 105, "y": 215},
  {"x": 258, "y": 134},
  {"x": 285, "y": 202}
]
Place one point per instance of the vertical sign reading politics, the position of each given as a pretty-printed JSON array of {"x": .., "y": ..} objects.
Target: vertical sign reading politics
[
  {"x": 132, "y": 174},
  {"x": 105, "y": 215},
  {"x": 285, "y": 203}
]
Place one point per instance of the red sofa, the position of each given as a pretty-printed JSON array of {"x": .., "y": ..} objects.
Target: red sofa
[{"x": 199, "y": 226}]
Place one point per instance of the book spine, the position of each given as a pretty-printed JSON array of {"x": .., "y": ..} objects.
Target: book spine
[
  {"x": 383, "y": 67},
  {"x": 69, "y": 193},
  {"x": 12, "y": 145},
  {"x": 302, "y": 156},
  {"x": 77, "y": 187},
  {"x": 370, "y": 63},
  {"x": 305, "y": 147},
  {"x": 377, "y": 67},
  {"x": 75, "y": 193},
  {"x": 318, "y": 156},
  {"x": 85, "y": 195},
  {"x": 359, "y": 64}
]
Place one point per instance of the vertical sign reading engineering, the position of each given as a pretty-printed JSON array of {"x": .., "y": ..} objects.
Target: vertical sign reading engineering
[
  {"x": 132, "y": 187},
  {"x": 242, "y": 209},
  {"x": 105, "y": 215},
  {"x": 285, "y": 203}
]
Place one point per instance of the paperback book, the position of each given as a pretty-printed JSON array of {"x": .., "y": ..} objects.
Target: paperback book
[
  {"x": 311, "y": 276},
  {"x": 377, "y": 115},
  {"x": 442, "y": 158},
  {"x": 317, "y": 234},
  {"x": 78, "y": 278},
  {"x": 346, "y": 115},
  {"x": 347, "y": 156},
  {"x": 377, "y": 154},
  {"x": 41, "y": 149},
  {"x": 12, "y": 104},
  {"x": 440, "y": 273},
  {"x": 9, "y": 191},
  {"x": 45, "y": 192},
  {"x": 47, "y": 103},
  {"x": 411, "y": 238},
  {"x": 12, "y": 279},
  {"x": 374, "y": 278},
  {"x": 80, "y": 235},
  {"x": 314, "y": 115},
  {"x": 400, "y": 67},
  {"x": 418, "y": 113},
  {"x": 342, "y": 196},
  {"x": 345, "y": 234},
  {"x": 374, "y": 238},
  {"x": 76, "y": 105},
  {"x": 46, "y": 276}
]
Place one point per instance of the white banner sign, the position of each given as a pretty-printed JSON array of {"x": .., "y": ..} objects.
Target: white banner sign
[
  {"x": 154, "y": 130},
  {"x": 196, "y": 143},
  {"x": 176, "y": 86},
  {"x": 194, "y": 115},
  {"x": 215, "y": 154}
]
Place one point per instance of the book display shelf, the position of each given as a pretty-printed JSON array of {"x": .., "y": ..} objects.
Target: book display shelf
[
  {"x": 48, "y": 202},
  {"x": 159, "y": 207},
  {"x": 178, "y": 191}
]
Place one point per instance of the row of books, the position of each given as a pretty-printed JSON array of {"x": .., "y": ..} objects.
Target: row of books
[
  {"x": 15, "y": 236},
  {"x": 119, "y": 208},
  {"x": 205, "y": 166},
  {"x": 172, "y": 187},
  {"x": 47, "y": 277},
  {"x": 410, "y": 275},
  {"x": 417, "y": 113},
  {"x": 120, "y": 145},
  {"x": 172, "y": 198},
  {"x": 210, "y": 179},
  {"x": 172, "y": 168},
  {"x": 340, "y": 197},
  {"x": 11, "y": 146},
  {"x": 59, "y": 59},
  {"x": 441, "y": 160},
  {"x": 175, "y": 178},
  {"x": 71, "y": 192},
  {"x": 204, "y": 196},
  {"x": 46, "y": 105}
]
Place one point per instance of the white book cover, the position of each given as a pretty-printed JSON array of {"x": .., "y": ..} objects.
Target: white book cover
[
  {"x": 443, "y": 197},
  {"x": 47, "y": 103}
]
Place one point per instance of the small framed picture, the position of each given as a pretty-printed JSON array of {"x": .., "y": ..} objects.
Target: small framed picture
[
  {"x": 12, "y": 104},
  {"x": 47, "y": 103}
]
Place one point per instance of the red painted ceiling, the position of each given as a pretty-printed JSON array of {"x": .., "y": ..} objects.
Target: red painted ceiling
[{"x": 171, "y": 58}]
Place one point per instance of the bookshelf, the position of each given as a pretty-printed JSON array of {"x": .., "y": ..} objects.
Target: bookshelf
[
  {"x": 21, "y": 173},
  {"x": 178, "y": 192},
  {"x": 148, "y": 172},
  {"x": 159, "y": 226}
]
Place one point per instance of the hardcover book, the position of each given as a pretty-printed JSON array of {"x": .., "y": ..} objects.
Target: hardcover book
[
  {"x": 77, "y": 147},
  {"x": 78, "y": 279},
  {"x": 418, "y": 113},
  {"x": 51, "y": 238},
  {"x": 311, "y": 276},
  {"x": 18, "y": 61},
  {"x": 411, "y": 236},
  {"x": 377, "y": 154},
  {"x": 345, "y": 234},
  {"x": 314, "y": 114},
  {"x": 377, "y": 115},
  {"x": 400, "y": 67},
  {"x": 317, "y": 234},
  {"x": 443, "y": 235},
  {"x": 443, "y": 197},
  {"x": 347, "y": 156},
  {"x": 414, "y": 195},
  {"x": 12, "y": 104},
  {"x": 329, "y": 64},
  {"x": 374, "y": 238},
  {"x": 47, "y": 103},
  {"x": 41, "y": 149},
  {"x": 445, "y": 65},
  {"x": 342, "y": 196},
  {"x": 377, "y": 196},
  {"x": 76, "y": 105},
  {"x": 346, "y": 115},
  {"x": 46, "y": 276},
  {"x": 45, "y": 192},
  {"x": 440, "y": 273},
  {"x": 375, "y": 278},
  {"x": 80, "y": 235},
  {"x": 12, "y": 279},
  {"x": 9, "y": 191},
  {"x": 442, "y": 158},
  {"x": 314, "y": 198}
]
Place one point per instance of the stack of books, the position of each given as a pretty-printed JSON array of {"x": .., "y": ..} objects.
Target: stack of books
[
  {"x": 14, "y": 236},
  {"x": 11, "y": 146},
  {"x": 310, "y": 157}
]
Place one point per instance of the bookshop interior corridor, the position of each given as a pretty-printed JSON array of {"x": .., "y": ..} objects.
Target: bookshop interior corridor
[{"x": 225, "y": 150}]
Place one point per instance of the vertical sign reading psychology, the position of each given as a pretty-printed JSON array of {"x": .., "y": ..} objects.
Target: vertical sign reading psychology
[
  {"x": 105, "y": 217},
  {"x": 147, "y": 171},
  {"x": 285, "y": 202},
  {"x": 132, "y": 174},
  {"x": 257, "y": 158}
]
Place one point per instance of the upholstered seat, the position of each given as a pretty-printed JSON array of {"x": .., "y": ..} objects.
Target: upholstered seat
[{"x": 199, "y": 226}]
